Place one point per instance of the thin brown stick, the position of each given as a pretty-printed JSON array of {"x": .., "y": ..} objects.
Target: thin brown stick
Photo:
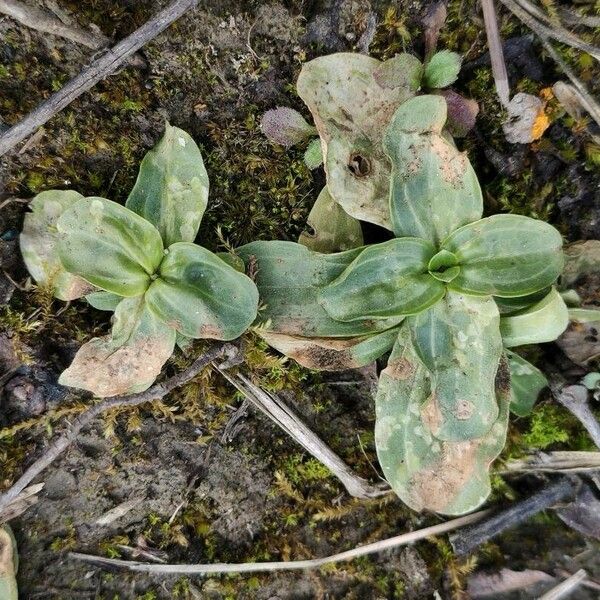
[
  {"x": 156, "y": 392},
  {"x": 313, "y": 563},
  {"x": 41, "y": 20},
  {"x": 496, "y": 52},
  {"x": 562, "y": 590},
  {"x": 103, "y": 66},
  {"x": 274, "y": 408}
]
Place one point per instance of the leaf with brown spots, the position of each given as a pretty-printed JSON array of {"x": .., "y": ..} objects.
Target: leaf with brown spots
[
  {"x": 352, "y": 98},
  {"x": 332, "y": 229},
  {"x": 427, "y": 473},
  {"x": 126, "y": 361},
  {"x": 39, "y": 240},
  {"x": 434, "y": 189},
  {"x": 332, "y": 354}
]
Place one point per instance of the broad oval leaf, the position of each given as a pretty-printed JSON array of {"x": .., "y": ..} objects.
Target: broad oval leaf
[
  {"x": 385, "y": 280},
  {"x": 434, "y": 188},
  {"x": 542, "y": 322},
  {"x": 201, "y": 296},
  {"x": 427, "y": 473},
  {"x": 109, "y": 246},
  {"x": 104, "y": 300},
  {"x": 352, "y": 102},
  {"x": 442, "y": 69},
  {"x": 126, "y": 361},
  {"x": 39, "y": 241},
  {"x": 332, "y": 354},
  {"x": 333, "y": 229},
  {"x": 506, "y": 255},
  {"x": 526, "y": 383},
  {"x": 458, "y": 340},
  {"x": 511, "y": 306},
  {"x": 290, "y": 278},
  {"x": 171, "y": 190}
]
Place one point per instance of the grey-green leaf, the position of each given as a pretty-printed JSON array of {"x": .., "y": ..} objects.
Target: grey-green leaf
[
  {"x": 201, "y": 296},
  {"x": 313, "y": 156},
  {"x": 427, "y": 473},
  {"x": 8, "y": 564},
  {"x": 434, "y": 189},
  {"x": 171, "y": 190},
  {"x": 458, "y": 340},
  {"x": 104, "y": 300},
  {"x": 526, "y": 383},
  {"x": 442, "y": 70},
  {"x": 544, "y": 321},
  {"x": 506, "y": 255},
  {"x": 126, "y": 361},
  {"x": 109, "y": 246},
  {"x": 351, "y": 111},
  {"x": 385, "y": 280},
  {"x": 332, "y": 354},
  {"x": 332, "y": 228},
  {"x": 290, "y": 277},
  {"x": 39, "y": 241}
]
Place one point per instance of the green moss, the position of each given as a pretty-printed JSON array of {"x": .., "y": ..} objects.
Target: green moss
[{"x": 547, "y": 427}]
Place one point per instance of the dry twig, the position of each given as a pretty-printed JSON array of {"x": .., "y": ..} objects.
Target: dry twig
[
  {"x": 41, "y": 20},
  {"x": 60, "y": 444},
  {"x": 100, "y": 68},
  {"x": 563, "y": 589},
  {"x": 496, "y": 52},
  {"x": 314, "y": 563},
  {"x": 282, "y": 415}
]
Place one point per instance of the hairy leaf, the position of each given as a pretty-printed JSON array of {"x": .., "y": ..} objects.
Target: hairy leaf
[
  {"x": 427, "y": 473},
  {"x": 384, "y": 280},
  {"x": 434, "y": 189},
  {"x": 171, "y": 190},
  {"x": 542, "y": 322},
  {"x": 286, "y": 126},
  {"x": 333, "y": 229},
  {"x": 109, "y": 246},
  {"x": 39, "y": 241},
  {"x": 351, "y": 111},
  {"x": 332, "y": 354},
  {"x": 104, "y": 300},
  {"x": 313, "y": 156},
  {"x": 201, "y": 296},
  {"x": 458, "y": 341},
  {"x": 290, "y": 278},
  {"x": 442, "y": 70},
  {"x": 126, "y": 361},
  {"x": 526, "y": 383},
  {"x": 506, "y": 255}
]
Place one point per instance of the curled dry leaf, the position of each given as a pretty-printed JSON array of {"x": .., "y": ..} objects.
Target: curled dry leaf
[
  {"x": 286, "y": 126},
  {"x": 39, "y": 241},
  {"x": 527, "y": 119},
  {"x": 581, "y": 342},
  {"x": 352, "y": 98},
  {"x": 126, "y": 361},
  {"x": 462, "y": 113},
  {"x": 333, "y": 229}
]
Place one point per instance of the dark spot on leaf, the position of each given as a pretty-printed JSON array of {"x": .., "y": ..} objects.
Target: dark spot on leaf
[{"x": 359, "y": 165}]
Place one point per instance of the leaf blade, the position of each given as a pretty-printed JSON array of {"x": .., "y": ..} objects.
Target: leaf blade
[{"x": 526, "y": 383}]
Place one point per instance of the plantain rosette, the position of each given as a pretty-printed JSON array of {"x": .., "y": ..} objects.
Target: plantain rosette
[
  {"x": 139, "y": 260},
  {"x": 440, "y": 296}
]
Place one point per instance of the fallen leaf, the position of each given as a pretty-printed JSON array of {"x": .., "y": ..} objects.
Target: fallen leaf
[
  {"x": 462, "y": 113},
  {"x": 490, "y": 585},
  {"x": 583, "y": 514},
  {"x": 527, "y": 119}
]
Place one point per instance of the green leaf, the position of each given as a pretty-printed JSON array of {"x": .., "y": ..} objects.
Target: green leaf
[
  {"x": 104, "y": 300},
  {"x": 526, "y": 382},
  {"x": 385, "y": 280},
  {"x": 351, "y": 109},
  {"x": 332, "y": 354},
  {"x": 429, "y": 474},
  {"x": 39, "y": 241},
  {"x": 313, "y": 157},
  {"x": 434, "y": 188},
  {"x": 8, "y": 564},
  {"x": 542, "y": 322},
  {"x": 333, "y": 229},
  {"x": 290, "y": 277},
  {"x": 584, "y": 315},
  {"x": 109, "y": 246},
  {"x": 171, "y": 190},
  {"x": 458, "y": 341},
  {"x": 201, "y": 296},
  {"x": 442, "y": 70},
  {"x": 511, "y": 306},
  {"x": 506, "y": 255},
  {"x": 126, "y": 361}
]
